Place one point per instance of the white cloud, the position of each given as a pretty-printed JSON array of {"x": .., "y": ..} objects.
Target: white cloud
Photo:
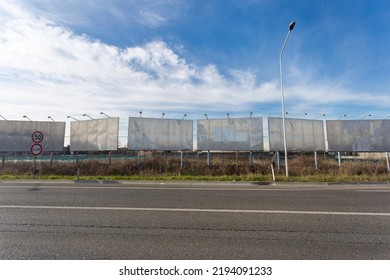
[
  {"x": 46, "y": 69},
  {"x": 57, "y": 67}
]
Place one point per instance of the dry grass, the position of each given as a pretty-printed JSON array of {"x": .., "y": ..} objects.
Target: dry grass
[{"x": 301, "y": 168}]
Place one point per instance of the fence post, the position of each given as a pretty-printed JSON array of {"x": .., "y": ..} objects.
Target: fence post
[
  {"x": 3, "y": 161},
  {"x": 339, "y": 158},
  {"x": 273, "y": 172}
]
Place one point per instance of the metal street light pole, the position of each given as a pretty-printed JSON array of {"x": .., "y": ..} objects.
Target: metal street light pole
[
  {"x": 3, "y": 117},
  {"x": 49, "y": 117},
  {"x": 86, "y": 115},
  {"x": 290, "y": 28},
  {"x": 102, "y": 113},
  {"x": 342, "y": 116},
  {"x": 368, "y": 115},
  {"x": 321, "y": 115},
  {"x": 27, "y": 118},
  {"x": 72, "y": 118}
]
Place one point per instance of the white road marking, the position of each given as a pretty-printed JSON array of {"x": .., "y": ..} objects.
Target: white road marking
[
  {"x": 195, "y": 210},
  {"x": 154, "y": 188},
  {"x": 210, "y": 188},
  {"x": 372, "y": 190}
]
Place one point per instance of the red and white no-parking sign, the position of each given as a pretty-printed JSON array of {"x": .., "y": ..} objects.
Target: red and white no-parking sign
[{"x": 36, "y": 149}]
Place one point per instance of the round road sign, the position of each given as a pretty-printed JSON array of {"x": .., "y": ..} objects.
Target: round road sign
[
  {"x": 37, "y": 137},
  {"x": 36, "y": 149}
]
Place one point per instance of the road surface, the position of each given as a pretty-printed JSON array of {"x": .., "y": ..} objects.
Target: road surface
[{"x": 143, "y": 220}]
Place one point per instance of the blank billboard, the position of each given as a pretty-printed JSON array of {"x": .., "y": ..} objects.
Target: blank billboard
[
  {"x": 94, "y": 135},
  {"x": 301, "y": 135},
  {"x": 160, "y": 134},
  {"x": 359, "y": 135},
  {"x": 17, "y": 136},
  {"x": 239, "y": 134}
]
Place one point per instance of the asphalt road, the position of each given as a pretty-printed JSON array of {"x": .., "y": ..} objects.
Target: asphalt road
[{"x": 114, "y": 220}]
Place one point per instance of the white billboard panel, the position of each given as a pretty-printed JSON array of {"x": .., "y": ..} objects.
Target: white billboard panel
[
  {"x": 233, "y": 134},
  {"x": 301, "y": 135},
  {"x": 359, "y": 135},
  {"x": 160, "y": 134},
  {"x": 94, "y": 135},
  {"x": 19, "y": 136}
]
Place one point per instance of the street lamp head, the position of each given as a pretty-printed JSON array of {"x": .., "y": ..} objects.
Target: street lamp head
[
  {"x": 102, "y": 113},
  {"x": 292, "y": 25}
]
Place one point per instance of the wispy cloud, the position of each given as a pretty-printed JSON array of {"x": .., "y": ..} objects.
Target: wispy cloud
[{"x": 151, "y": 19}]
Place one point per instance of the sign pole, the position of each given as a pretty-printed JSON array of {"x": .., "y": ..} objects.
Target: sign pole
[
  {"x": 181, "y": 160},
  {"x": 34, "y": 167}
]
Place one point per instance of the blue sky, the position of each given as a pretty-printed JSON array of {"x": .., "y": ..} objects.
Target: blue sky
[{"x": 193, "y": 57}]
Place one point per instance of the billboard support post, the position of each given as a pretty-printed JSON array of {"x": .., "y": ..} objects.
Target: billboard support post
[
  {"x": 278, "y": 159},
  {"x": 250, "y": 159},
  {"x": 208, "y": 158},
  {"x": 315, "y": 160},
  {"x": 78, "y": 172},
  {"x": 51, "y": 159},
  {"x": 387, "y": 161}
]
